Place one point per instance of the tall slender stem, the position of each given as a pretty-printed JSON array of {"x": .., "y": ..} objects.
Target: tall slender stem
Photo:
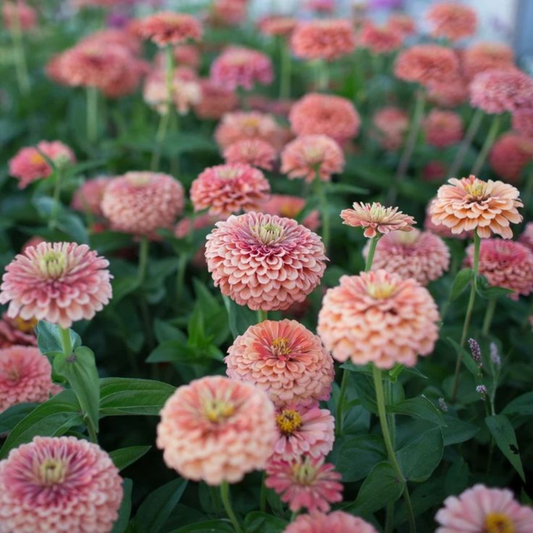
[
  {"x": 371, "y": 252},
  {"x": 340, "y": 404},
  {"x": 324, "y": 209},
  {"x": 92, "y": 114},
  {"x": 285, "y": 81},
  {"x": 226, "y": 501},
  {"x": 261, "y": 316},
  {"x": 144, "y": 246},
  {"x": 489, "y": 315},
  {"x": 57, "y": 193},
  {"x": 322, "y": 75},
  {"x": 487, "y": 145},
  {"x": 65, "y": 341},
  {"x": 19, "y": 55},
  {"x": 465, "y": 144}
]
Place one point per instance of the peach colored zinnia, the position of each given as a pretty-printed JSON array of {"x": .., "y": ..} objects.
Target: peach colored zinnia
[
  {"x": 379, "y": 40},
  {"x": 440, "y": 230},
  {"x": 392, "y": 124},
  {"x": 402, "y": 23},
  {"x": 336, "y": 522},
  {"x": 170, "y": 28},
  {"x": 285, "y": 359},
  {"x": 480, "y": 508},
  {"x": 264, "y": 261},
  {"x": 88, "y": 198},
  {"x": 284, "y": 205},
  {"x": 242, "y": 125},
  {"x": 311, "y": 156},
  {"x": 472, "y": 204},
  {"x": 443, "y": 128},
  {"x": 59, "y": 482},
  {"x": 510, "y": 155},
  {"x": 17, "y": 332},
  {"x": 215, "y": 429},
  {"x": 378, "y": 317},
  {"x": 254, "y": 152},
  {"x": 452, "y": 21},
  {"x": 486, "y": 56},
  {"x": 277, "y": 25}
]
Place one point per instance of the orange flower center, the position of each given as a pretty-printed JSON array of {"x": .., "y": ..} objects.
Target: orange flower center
[
  {"x": 37, "y": 159},
  {"x": 499, "y": 523},
  {"x": 217, "y": 410},
  {"x": 289, "y": 211},
  {"x": 381, "y": 291},
  {"x": 51, "y": 472},
  {"x": 281, "y": 346},
  {"x": 26, "y": 326},
  {"x": 289, "y": 421}
]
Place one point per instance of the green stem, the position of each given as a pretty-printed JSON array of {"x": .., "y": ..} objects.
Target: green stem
[
  {"x": 226, "y": 502},
  {"x": 92, "y": 114},
  {"x": 180, "y": 277},
  {"x": 93, "y": 436},
  {"x": 528, "y": 189},
  {"x": 489, "y": 315},
  {"x": 215, "y": 498},
  {"x": 487, "y": 145},
  {"x": 340, "y": 404},
  {"x": 65, "y": 341},
  {"x": 263, "y": 497},
  {"x": 322, "y": 75},
  {"x": 465, "y": 144},
  {"x": 324, "y": 209},
  {"x": 19, "y": 55},
  {"x": 261, "y": 316},
  {"x": 57, "y": 193},
  {"x": 144, "y": 246},
  {"x": 285, "y": 82},
  {"x": 371, "y": 252}
]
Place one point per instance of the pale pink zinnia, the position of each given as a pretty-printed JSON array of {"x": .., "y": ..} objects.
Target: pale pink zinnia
[
  {"x": 59, "y": 482},
  {"x": 510, "y": 155},
  {"x": 242, "y": 125},
  {"x": 17, "y": 332},
  {"x": 312, "y": 156},
  {"x": 305, "y": 482},
  {"x": 168, "y": 27},
  {"x": 379, "y": 40},
  {"x": 284, "y": 205},
  {"x": 480, "y": 508},
  {"x": 336, "y": 522},
  {"x": 264, "y": 261},
  {"x": 254, "y": 152},
  {"x": 214, "y": 101},
  {"x": 486, "y": 56},
  {"x": 88, "y": 197},
  {"x": 443, "y": 128},
  {"x": 391, "y": 124},
  {"x": 285, "y": 359},
  {"x": 215, "y": 429},
  {"x": 452, "y": 21},
  {"x": 378, "y": 317}
]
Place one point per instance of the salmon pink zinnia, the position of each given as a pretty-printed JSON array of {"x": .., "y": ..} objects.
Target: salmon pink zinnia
[
  {"x": 336, "y": 522},
  {"x": 254, "y": 152},
  {"x": 443, "y": 128},
  {"x": 17, "y": 332},
  {"x": 510, "y": 155},
  {"x": 284, "y": 205},
  {"x": 242, "y": 125},
  {"x": 452, "y": 21},
  {"x": 486, "y": 56},
  {"x": 88, "y": 198},
  {"x": 170, "y": 28}
]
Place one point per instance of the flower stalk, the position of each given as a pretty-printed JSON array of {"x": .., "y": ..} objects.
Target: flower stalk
[
  {"x": 226, "y": 502},
  {"x": 487, "y": 145}
]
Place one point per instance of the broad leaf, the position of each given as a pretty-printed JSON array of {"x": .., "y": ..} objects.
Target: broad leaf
[
  {"x": 419, "y": 458},
  {"x": 211, "y": 526},
  {"x": 523, "y": 405},
  {"x": 124, "y": 457},
  {"x": 14, "y": 414},
  {"x": 240, "y": 318},
  {"x": 49, "y": 338},
  {"x": 173, "y": 352},
  {"x": 257, "y": 522},
  {"x": 457, "y": 430},
  {"x": 460, "y": 282},
  {"x": 358, "y": 456},
  {"x": 125, "y": 508},
  {"x": 418, "y": 408}
]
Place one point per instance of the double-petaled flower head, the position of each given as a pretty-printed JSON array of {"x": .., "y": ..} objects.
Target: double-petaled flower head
[
  {"x": 336, "y": 522},
  {"x": 170, "y": 28},
  {"x": 452, "y": 21}
]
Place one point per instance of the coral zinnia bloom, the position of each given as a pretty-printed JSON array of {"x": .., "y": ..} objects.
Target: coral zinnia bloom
[
  {"x": 215, "y": 429},
  {"x": 18, "y": 14},
  {"x": 510, "y": 155},
  {"x": 142, "y": 202},
  {"x": 226, "y": 189},
  {"x": 443, "y": 128},
  {"x": 418, "y": 255},
  {"x": 288, "y": 206},
  {"x": 472, "y": 204},
  {"x": 283, "y": 358},
  {"x": 376, "y": 219},
  {"x": 379, "y": 40},
  {"x": 452, "y": 21},
  {"x": 17, "y": 332},
  {"x": 214, "y": 101},
  {"x": 88, "y": 198},
  {"x": 505, "y": 264},
  {"x": 264, "y": 261},
  {"x": 242, "y": 125},
  {"x": 254, "y": 152},
  {"x": 60, "y": 283},
  {"x": 324, "y": 114},
  {"x": 311, "y": 156},
  {"x": 277, "y": 25},
  {"x": 323, "y": 39},
  {"x": 336, "y": 522},
  {"x": 170, "y": 28},
  {"x": 486, "y": 56},
  {"x": 402, "y": 23},
  {"x": 391, "y": 124},
  {"x": 450, "y": 93},
  {"x": 378, "y": 317},
  {"x": 482, "y": 509},
  {"x": 59, "y": 482},
  {"x": 305, "y": 482},
  {"x": 523, "y": 121}
]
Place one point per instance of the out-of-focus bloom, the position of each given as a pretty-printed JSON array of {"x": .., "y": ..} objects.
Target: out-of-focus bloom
[
  {"x": 242, "y": 125},
  {"x": 486, "y": 56},
  {"x": 115, "y": 37},
  {"x": 277, "y": 26},
  {"x": 311, "y": 156},
  {"x": 305, "y": 482},
  {"x": 323, "y": 39},
  {"x": 18, "y": 14},
  {"x": 15, "y": 331},
  {"x": 254, "y": 152},
  {"x": 378, "y": 317},
  {"x": 482, "y": 509},
  {"x": 185, "y": 55},
  {"x": 268, "y": 105},
  {"x": 321, "y": 7},
  {"x": 526, "y": 238},
  {"x": 170, "y": 28},
  {"x": 60, "y": 283},
  {"x": 419, "y": 255},
  {"x": 510, "y": 155},
  {"x": 427, "y": 64},
  {"x": 441, "y": 230},
  {"x": 452, "y": 21},
  {"x": 505, "y": 264},
  {"x": 59, "y": 482},
  {"x": 376, "y": 219},
  {"x": 241, "y": 67},
  {"x": 226, "y": 189},
  {"x": 215, "y": 429},
  {"x": 443, "y": 128},
  {"x": 523, "y": 121},
  {"x": 336, "y": 522},
  {"x": 284, "y": 205},
  {"x": 88, "y": 198},
  {"x": 30, "y": 165},
  {"x": 264, "y": 261},
  {"x": 468, "y": 204},
  {"x": 402, "y": 23},
  {"x": 321, "y": 114},
  {"x": 379, "y": 40},
  {"x": 450, "y": 93},
  {"x": 215, "y": 101},
  {"x": 228, "y": 12},
  {"x": 285, "y": 360},
  {"x": 142, "y": 202},
  {"x": 25, "y": 376},
  {"x": 434, "y": 171},
  {"x": 391, "y": 124}
]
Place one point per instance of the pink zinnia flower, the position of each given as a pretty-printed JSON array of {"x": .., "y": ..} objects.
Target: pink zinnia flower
[
  {"x": 311, "y": 156},
  {"x": 228, "y": 12},
  {"x": 185, "y": 55},
  {"x": 510, "y": 155},
  {"x": 142, "y": 202},
  {"x": 59, "y": 482},
  {"x": 214, "y": 101},
  {"x": 284, "y": 205},
  {"x": 523, "y": 121},
  {"x": 482, "y": 509},
  {"x": 336, "y": 522},
  {"x": 434, "y": 171},
  {"x": 88, "y": 198},
  {"x": 322, "y": 114},
  {"x": 60, "y": 283},
  {"x": 277, "y": 25},
  {"x": 241, "y": 67},
  {"x": 526, "y": 238},
  {"x": 392, "y": 124},
  {"x": 170, "y": 28},
  {"x": 264, "y": 261},
  {"x": 17, "y": 332},
  {"x": 18, "y": 14},
  {"x": 305, "y": 482},
  {"x": 323, "y": 39},
  {"x": 452, "y": 21},
  {"x": 29, "y": 165},
  {"x": 284, "y": 359},
  {"x": 254, "y": 152},
  {"x": 378, "y": 317},
  {"x": 443, "y": 128},
  {"x": 114, "y": 37},
  {"x": 215, "y": 429},
  {"x": 379, "y": 40},
  {"x": 402, "y": 23},
  {"x": 242, "y": 125},
  {"x": 376, "y": 219},
  {"x": 226, "y": 189},
  {"x": 450, "y": 93},
  {"x": 486, "y": 56}
]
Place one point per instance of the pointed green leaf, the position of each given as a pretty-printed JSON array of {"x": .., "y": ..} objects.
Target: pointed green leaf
[{"x": 124, "y": 457}]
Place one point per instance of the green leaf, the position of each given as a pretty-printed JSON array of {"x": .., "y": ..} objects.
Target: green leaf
[
  {"x": 358, "y": 456},
  {"x": 158, "y": 506},
  {"x": 124, "y": 457},
  {"x": 80, "y": 371},
  {"x": 457, "y": 431},
  {"x": 122, "y": 286},
  {"x": 125, "y": 508},
  {"x": 523, "y": 405},
  {"x": 14, "y": 414},
  {"x": 49, "y": 338},
  {"x": 173, "y": 352},
  {"x": 460, "y": 282},
  {"x": 418, "y": 408},
  {"x": 336, "y": 188},
  {"x": 457, "y": 477},
  {"x": 419, "y": 458},
  {"x": 364, "y": 386},
  {"x": 240, "y": 318},
  {"x": 211, "y": 526},
  {"x": 488, "y": 291},
  {"x": 423, "y": 497},
  {"x": 167, "y": 332},
  {"x": 109, "y": 241},
  {"x": 257, "y": 522},
  {"x": 469, "y": 363},
  {"x": 503, "y": 432}
]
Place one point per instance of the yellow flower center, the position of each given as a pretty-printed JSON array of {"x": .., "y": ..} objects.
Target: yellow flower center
[
  {"x": 381, "y": 291},
  {"x": 218, "y": 410},
  {"x": 268, "y": 233},
  {"x": 499, "y": 523},
  {"x": 37, "y": 159},
  {"x": 407, "y": 237},
  {"x": 250, "y": 122},
  {"x": 52, "y": 264},
  {"x": 13, "y": 374},
  {"x": 26, "y": 326},
  {"x": 138, "y": 179},
  {"x": 228, "y": 173},
  {"x": 289, "y": 211},
  {"x": 289, "y": 421},
  {"x": 281, "y": 346},
  {"x": 476, "y": 190},
  {"x": 304, "y": 473},
  {"x": 52, "y": 471}
]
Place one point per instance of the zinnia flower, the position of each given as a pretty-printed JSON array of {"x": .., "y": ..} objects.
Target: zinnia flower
[
  {"x": 17, "y": 332},
  {"x": 277, "y": 26},
  {"x": 242, "y": 125},
  {"x": 227, "y": 12},
  {"x": 401, "y": 23},
  {"x": 452, "y": 21},
  {"x": 336, "y": 522},
  {"x": 324, "y": 114},
  {"x": 215, "y": 429},
  {"x": 170, "y": 28},
  {"x": 284, "y": 359},
  {"x": 505, "y": 264},
  {"x": 486, "y": 56},
  {"x": 443, "y": 128},
  {"x": 60, "y": 283},
  {"x": 264, "y": 261},
  {"x": 254, "y": 152},
  {"x": 523, "y": 121},
  {"x": 226, "y": 189},
  {"x": 440, "y": 230},
  {"x": 510, "y": 155},
  {"x": 18, "y": 14},
  {"x": 376, "y": 219},
  {"x": 472, "y": 204},
  {"x": 88, "y": 198},
  {"x": 450, "y": 93},
  {"x": 214, "y": 101},
  {"x": 378, "y": 317},
  {"x": 284, "y": 205},
  {"x": 61, "y": 482},
  {"x": 392, "y": 124},
  {"x": 482, "y": 509},
  {"x": 379, "y": 40},
  {"x": 434, "y": 171},
  {"x": 305, "y": 482},
  {"x": 311, "y": 156},
  {"x": 142, "y": 202}
]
